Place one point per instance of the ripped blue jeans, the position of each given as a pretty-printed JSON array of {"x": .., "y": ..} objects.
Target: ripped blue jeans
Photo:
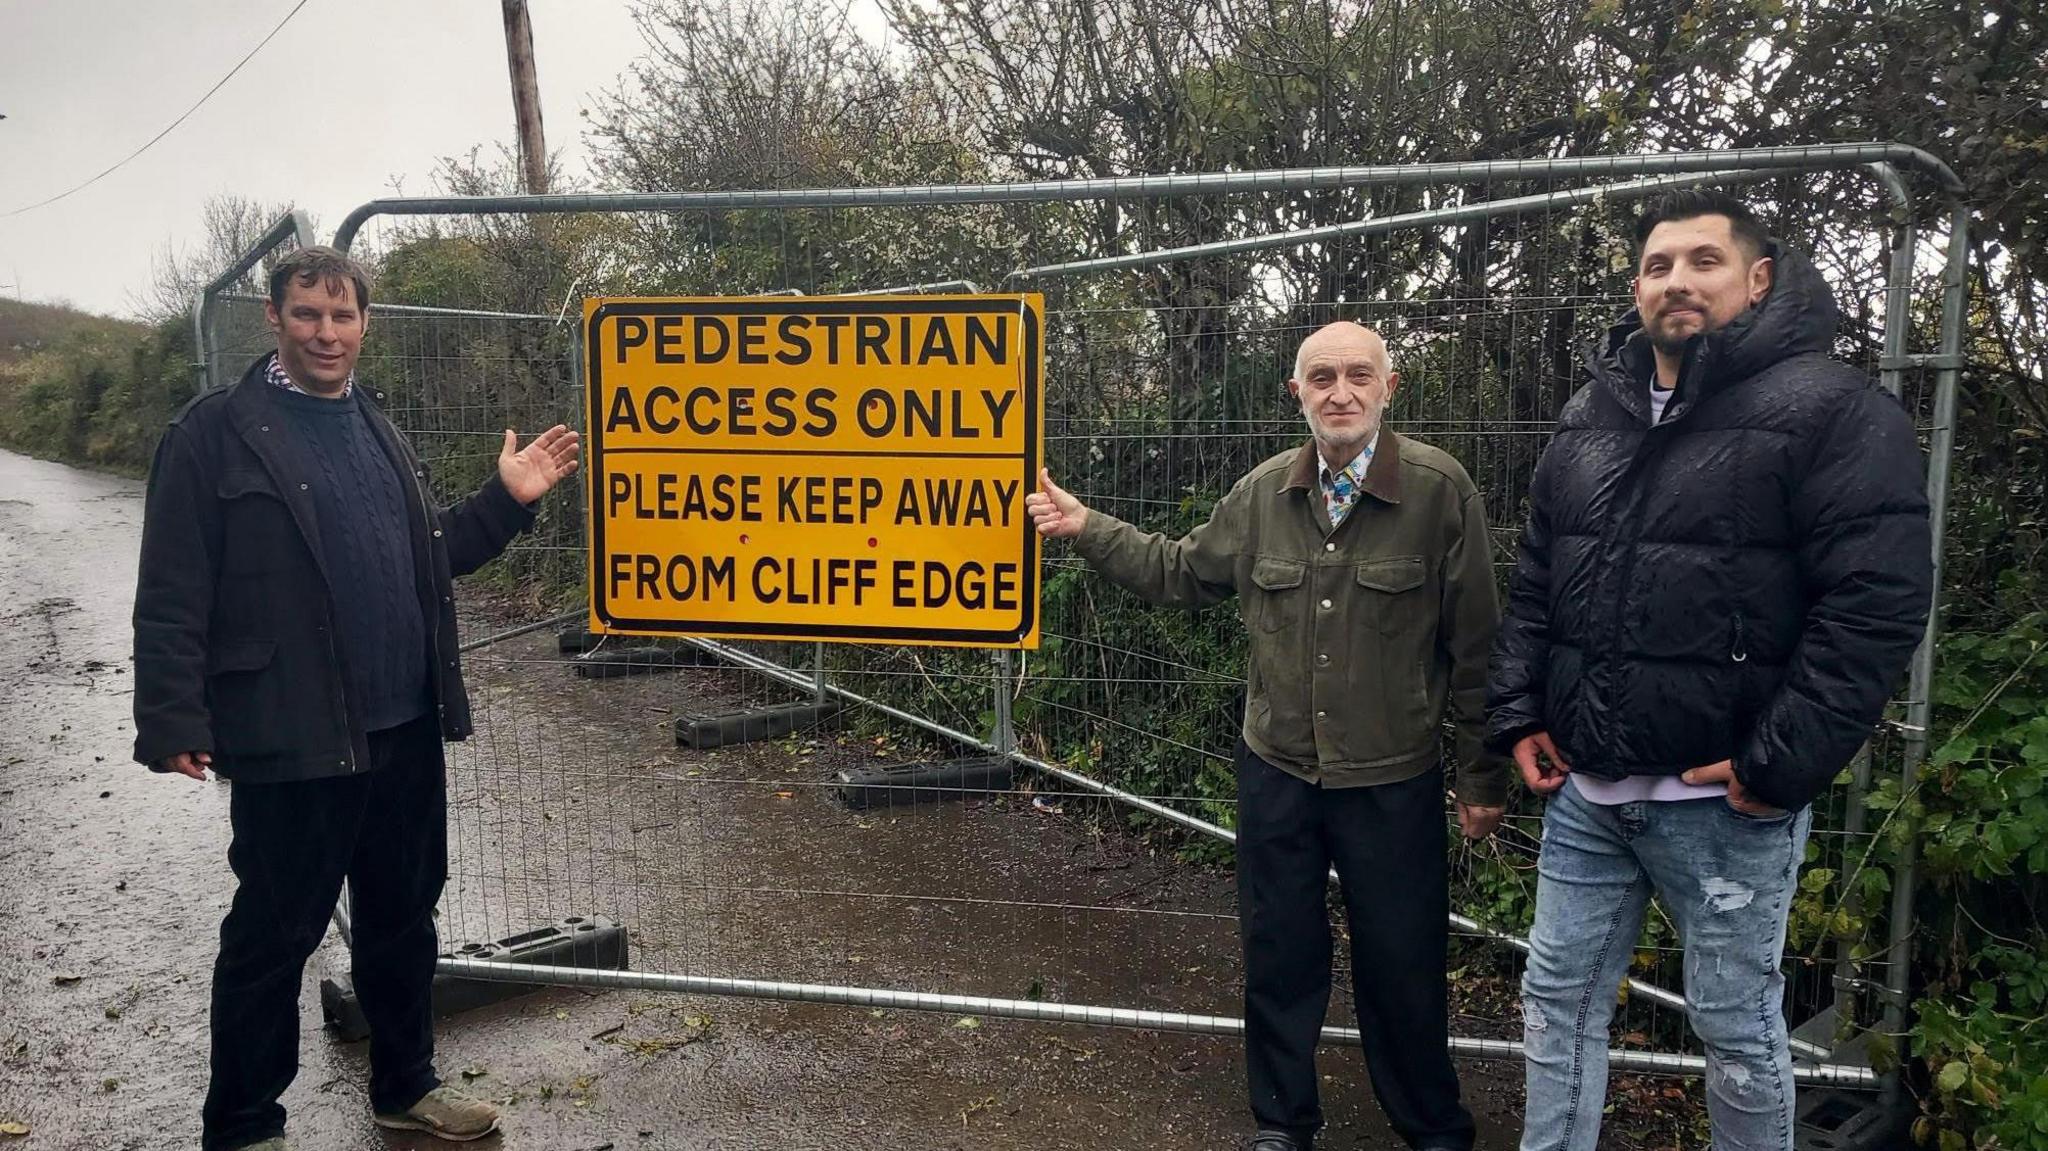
[{"x": 1727, "y": 880}]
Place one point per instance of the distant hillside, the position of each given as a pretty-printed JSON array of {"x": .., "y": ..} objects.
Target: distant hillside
[
  {"x": 88, "y": 389},
  {"x": 29, "y": 328}
]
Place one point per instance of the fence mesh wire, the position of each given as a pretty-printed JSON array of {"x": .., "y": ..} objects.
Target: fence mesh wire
[{"x": 1165, "y": 383}]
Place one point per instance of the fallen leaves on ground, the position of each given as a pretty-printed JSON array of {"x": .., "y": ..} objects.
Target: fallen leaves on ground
[
  {"x": 971, "y": 1109},
  {"x": 695, "y": 1027},
  {"x": 1080, "y": 1054}
]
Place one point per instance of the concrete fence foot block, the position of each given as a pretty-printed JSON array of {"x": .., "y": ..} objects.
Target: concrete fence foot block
[
  {"x": 580, "y": 941},
  {"x": 1831, "y": 1119},
  {"x": 611, "y": 662},
  {"x": 870, "y": 787},
  {"x": 747, "y": 726}
]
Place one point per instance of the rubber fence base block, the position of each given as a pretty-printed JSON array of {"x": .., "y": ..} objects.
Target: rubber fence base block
[
  {"x": 730, "y": 728},
  {"x": 1831, "y": 1119},
  {"x": 864, "y": 788},
  {"x": 576, "y": 642},
  {"x": 590, "y": 942},
  {"x": 611, "y": 662}
]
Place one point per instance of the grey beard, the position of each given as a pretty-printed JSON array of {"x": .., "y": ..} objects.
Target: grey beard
[{"x": 1356, "y": 443}]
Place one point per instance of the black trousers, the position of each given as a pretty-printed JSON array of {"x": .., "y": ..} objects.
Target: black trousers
[
  {"x": 385, "y": 830},
  {"x": 1387, "y": 844}
]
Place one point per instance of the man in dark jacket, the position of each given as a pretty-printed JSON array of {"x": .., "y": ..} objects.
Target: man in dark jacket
[
  {"x": 1725, "y": 569},
  {"x": 295, "y": 632},
  {"x": 1360, "y": 564}
]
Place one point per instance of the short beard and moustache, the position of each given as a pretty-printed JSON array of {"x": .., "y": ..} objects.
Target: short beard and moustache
[
  {"x": 1671, "y": 345},
  {"x": 1370, "y": 427}
]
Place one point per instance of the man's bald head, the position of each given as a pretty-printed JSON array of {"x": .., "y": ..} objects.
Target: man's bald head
[
  {"x": 1338, "y": 336},
  {"x": 1343, "y": 376}
]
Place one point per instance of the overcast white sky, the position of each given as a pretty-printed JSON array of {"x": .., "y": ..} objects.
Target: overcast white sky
[{"x": 353, "y": 99}]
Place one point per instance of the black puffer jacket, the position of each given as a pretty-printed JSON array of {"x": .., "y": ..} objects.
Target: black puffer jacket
[{"x": 1745, "y": 580}]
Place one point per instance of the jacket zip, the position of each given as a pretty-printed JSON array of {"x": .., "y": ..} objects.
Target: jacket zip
[
  {"x": 340, "y": 692},
  {"x": 1691, "y": 370},
  {"x": 1739, "y": 651},
  {"x": 433, "y": 591}
]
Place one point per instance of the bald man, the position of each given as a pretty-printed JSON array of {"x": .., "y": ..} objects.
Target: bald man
[{"x": 1362, "y": 572}]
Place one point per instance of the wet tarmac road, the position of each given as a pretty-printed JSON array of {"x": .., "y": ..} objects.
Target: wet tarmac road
[{"x": 573, "y": 798}]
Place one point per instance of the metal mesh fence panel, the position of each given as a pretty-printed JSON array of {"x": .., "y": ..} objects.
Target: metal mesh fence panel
[
  {"x": 1172, "y": 323},
  {"x": 228, "y": 333},
  {"x": 237, "y": 334},
  {"x": 1487, "y": 322}
]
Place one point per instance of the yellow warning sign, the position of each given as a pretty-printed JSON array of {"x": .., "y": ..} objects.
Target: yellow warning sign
[{"x": 834, "y": 468}]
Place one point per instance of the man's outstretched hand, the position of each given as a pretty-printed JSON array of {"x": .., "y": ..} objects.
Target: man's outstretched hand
[
  {"x": 1057, "y": 514},
  {"x": 529, "y": 472}
]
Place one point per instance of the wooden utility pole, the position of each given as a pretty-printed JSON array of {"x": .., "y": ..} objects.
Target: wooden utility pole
[{"x": 533, "y": 151}]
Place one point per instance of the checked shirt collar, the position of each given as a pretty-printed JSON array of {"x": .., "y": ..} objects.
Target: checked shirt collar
[{"x": 278, "y": 377}]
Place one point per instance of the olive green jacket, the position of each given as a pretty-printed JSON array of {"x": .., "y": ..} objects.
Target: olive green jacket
[{"x": 1359, "y": 636}]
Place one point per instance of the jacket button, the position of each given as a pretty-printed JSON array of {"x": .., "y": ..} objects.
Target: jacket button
[
  {"x": 1329, "y": 547},
  {"x": 266, "y": 427},
  {"x": 1322, "y": 714},
  {"x": 451, "y": 663},
  {"x": 1326, "y": 605},
  {"x": 437, "y": 533},
  {"x": 1322, "y": 659},
  {"x": 447, "y": 599},
  {"x": 302, "y": 487}
]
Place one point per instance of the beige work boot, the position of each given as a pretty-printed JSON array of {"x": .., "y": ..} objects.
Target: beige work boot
[{"x": 446, "y": 1113}]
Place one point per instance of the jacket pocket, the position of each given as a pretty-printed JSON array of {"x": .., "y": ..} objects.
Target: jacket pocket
[
  {"x": 1393, "y": 668},
  {"x": 240, "y": 655},
  {"x": 258, "y": 533},
  {"x": 1393, "y": 575},
  {"x": 236, "y": 483},
  {"x": 1395, "y": 610},
  {"x": 1276, "y": 600},
  {"x": 248, "y": 698}
]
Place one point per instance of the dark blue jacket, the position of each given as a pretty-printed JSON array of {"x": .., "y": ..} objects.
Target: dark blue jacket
[
  {"x": 1745, "y": 580},
  {"x": 234, "y": 624}
]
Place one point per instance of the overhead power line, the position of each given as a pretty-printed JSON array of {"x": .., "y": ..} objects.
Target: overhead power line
[{"x": 118, "y": 164}]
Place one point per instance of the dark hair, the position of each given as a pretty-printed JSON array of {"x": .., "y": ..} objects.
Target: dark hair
[
  {"x": 319, "y": 265},
  {"x": 1690, "y": 203}
]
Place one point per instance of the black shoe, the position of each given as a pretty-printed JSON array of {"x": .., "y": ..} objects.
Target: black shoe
[{"x": 1278, "y": 1141}]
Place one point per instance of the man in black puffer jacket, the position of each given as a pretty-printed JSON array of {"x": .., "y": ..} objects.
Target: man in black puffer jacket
[{"x": 1725, "y": 570}]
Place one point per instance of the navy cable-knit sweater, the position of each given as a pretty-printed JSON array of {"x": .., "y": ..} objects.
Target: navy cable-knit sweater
[{"x": 360, "y": 501}]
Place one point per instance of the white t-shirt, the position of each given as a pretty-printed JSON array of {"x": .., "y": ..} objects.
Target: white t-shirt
[{"x": 1655, "y": 788}]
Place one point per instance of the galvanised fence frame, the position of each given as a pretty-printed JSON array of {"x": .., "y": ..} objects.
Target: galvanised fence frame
[{"x": 1597, "y": 180}]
